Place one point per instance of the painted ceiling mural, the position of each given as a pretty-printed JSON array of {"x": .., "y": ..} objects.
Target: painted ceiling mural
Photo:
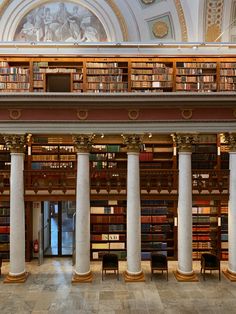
[{"x": 60, "y": 21}]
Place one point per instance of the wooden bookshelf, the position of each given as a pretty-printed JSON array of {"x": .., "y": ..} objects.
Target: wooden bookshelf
[
  {"x": 204, "y": 156},
  {"x": 14, "y": 77},
  {"x": 5, "y": 157},
  {"x": 224, "y": 231},
  {"x": 228, "y": 76},
  {"x": 205, "y": 228},
  {"x": 5, "y": 230},
  {"x": 108, "y": 228},
  {"x": 157, "y": 228},
  {"x": 151, "y": 77}
]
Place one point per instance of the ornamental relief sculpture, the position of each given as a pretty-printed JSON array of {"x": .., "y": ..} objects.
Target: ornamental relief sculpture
[{"x": 60, "y": 21}]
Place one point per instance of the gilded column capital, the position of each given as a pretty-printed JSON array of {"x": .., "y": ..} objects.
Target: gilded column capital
[
  {"x": 184, "y": 141},
  {"x": 230, "y": 140},
  {"x": 15, "y": 142},
  {"x": 83, "y": 142},
  {"x": 133, "y": 142}
]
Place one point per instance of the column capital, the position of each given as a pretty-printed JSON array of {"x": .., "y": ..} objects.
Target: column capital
[
  {"x": 184, "y": 141},
  {"x": 230, "y": 140},
  {"x": 83, "y": 142},
  {"x": 133, "y": 142},
  {"x": 15, "y": 142}
]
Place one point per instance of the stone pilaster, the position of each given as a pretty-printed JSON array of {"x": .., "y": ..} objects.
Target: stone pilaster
[
  {"x": 134, "y": 271},
  {"x": 230, "y": 272},
  {"x": 82, "y": 272},
  {"x": 185, "y": 270},
  {"x": 17, "y": 274}
]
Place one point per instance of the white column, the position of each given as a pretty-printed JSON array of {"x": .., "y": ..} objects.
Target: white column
[
  {"x": 232, "y": 214},
  {"x": 185, "y": 215},
  {"x": 134, "y": 271},
  {"x": 185, "y": 269},
  {"x": 17, "y": 271},
  {"x": 82, "y": 271}
]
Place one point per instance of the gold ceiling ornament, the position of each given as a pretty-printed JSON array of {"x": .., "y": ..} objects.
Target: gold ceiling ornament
[
  {"x": 213, "y": 20},
  {"x": 182, "y": 21},
  {"x": 148, "y": 1},
  {"x": 160, "y": 29},
  {"x": 120, "y": 18}
]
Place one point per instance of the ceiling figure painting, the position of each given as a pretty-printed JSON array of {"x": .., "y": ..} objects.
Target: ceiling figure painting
[{"x": 60, "y": 22}]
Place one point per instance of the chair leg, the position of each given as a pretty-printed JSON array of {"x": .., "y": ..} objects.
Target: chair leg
[
  {"x": 167, "y": 275},
  {"x": 204, "y": 274},
  {"x": 102, "y": 274},
  {"x": 151, "y": 275},
  {"x": 219, "y": 275}
]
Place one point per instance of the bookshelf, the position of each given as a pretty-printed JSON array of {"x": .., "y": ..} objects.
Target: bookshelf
[
  {"x": 196, "y": 76},
  {"x": 157, "y": 228},
  {"x": 108, "y": 228},
  {"x": 224, "y": 231},
  {"x": 57, "y": 76},
  {"x": 5, "y": 158},
  {"x": 151, "y": 77},
  {"x": 14, "y": 77},
  {"x": 205, "y": 227},
  {"x": 228, "y": 76},
  {"x": 204, "y": 156},
  {"x": 4, "y": 230},
  {"x": 106, "y": 76},
  {"x": 52, "y": 153}
]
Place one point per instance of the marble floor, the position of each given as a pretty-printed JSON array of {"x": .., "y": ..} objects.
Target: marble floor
[{"x": 49, "y": 290}]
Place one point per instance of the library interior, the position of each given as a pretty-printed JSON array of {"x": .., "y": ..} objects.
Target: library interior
[{"x": 118, "y": 154}]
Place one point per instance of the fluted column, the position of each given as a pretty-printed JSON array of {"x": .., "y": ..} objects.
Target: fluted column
[
  {"x": 230, "y": 272},
  {"x": 17, "y": 273},
  {"x": 134, "y": 271},
  {"x": 185, "y": 269},
  {"x": 82, "y": 272}
]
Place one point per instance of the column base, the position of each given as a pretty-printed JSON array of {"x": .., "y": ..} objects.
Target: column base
[
  {"x": 134, "y": 277},
  {"x": 185, "y": 277},
  {"x": 229, "y": 275},
  {"x": 76, "y": 278},
  {"x": 16, "y": 279}
]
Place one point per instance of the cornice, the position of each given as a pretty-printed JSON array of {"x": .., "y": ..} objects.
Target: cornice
[{"x": 4, "y": 5}]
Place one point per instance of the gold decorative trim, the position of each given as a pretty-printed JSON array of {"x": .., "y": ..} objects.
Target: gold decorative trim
[
  {"x": 83, "y": 142},
  {"x": 15, "y": 114},
  {"x": 182, "y": 21},
  {"x": 186, "y": 113},
  {"x": 185, "y": 278},
  {"x": 76, "y": 278},
  {"x": 184, "y": 141},
  {"x": 160, "y": 29},
  {"x": 133, "y": 142},
  {"x": 133, "y": 114},
  {"x": 82, "y": 114},
  {"x": 134, "y": 277},
  {"x": 15, "y": 142},
  {"x": 230, "y": 140},
  {"x": 16, "y": 279},
  {"x": 120, "y": 18},
  {"x": 4, "y": 5},
  {"x": 229, "y": 275}
]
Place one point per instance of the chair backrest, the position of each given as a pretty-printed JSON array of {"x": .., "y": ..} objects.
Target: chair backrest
[
  {"x": 110, "y": 260},
  {"x": 210, "y": 260},
  {"x": 158, "y": 260}
]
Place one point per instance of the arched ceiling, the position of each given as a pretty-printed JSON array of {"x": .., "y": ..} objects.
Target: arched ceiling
[{"x": 120, "y": 20}]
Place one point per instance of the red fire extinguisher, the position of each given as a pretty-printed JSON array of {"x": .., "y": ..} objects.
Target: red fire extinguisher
[{"x": 36, "y": 246}]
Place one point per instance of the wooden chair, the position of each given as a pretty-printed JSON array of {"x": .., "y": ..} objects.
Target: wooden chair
[
  {"x": 110, "y": 262},
  {"x": 159, "y": 262},
  {"x": 210, "y": 262}
]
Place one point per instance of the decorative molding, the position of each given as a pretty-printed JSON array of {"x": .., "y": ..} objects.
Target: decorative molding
[
  {"x": 4, "y": 5},
  {"x": 182, "y": 21},
  {"x": 133, "y": 142},
  {"x": 83, "y": 142},
  {"x": 185, "y": 278},
  {"x": 230, "y": 139},
  {"x": 229, "y": 275},
  {"x": 76, "y": 278},
  {"x": 16, "y": 279},
  {"x": 213, "y": 20},
  {"x": 134, "y": 277},
  {"x": 184, "y": 141},
  {"x": 133, "y": 114},
  {"x": 186, "y": 113},
  {"x": 16, "y": 143},
  {"x": 120, "y": 18},
  {"x": 14, "y": 114},
  {"x": 82, "y": 114},
  {"x": 160, "y": 29}
]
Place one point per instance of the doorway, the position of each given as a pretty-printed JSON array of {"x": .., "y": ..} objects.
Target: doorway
[{"x": 58, "y": 228}]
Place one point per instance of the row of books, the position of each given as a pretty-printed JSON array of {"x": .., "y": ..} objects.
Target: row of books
[
  {"x": 156, "y": 228},
  {"x": 56, "y": 70},
  {"x": 201, "y": 245},
  {"x": 108, "y": 228},
  {"x": 103, "y": 64},
  {"x": 196, "y": 86},
  {"x": 110, "y": 71},
  {"x": 150, "y": 84},
  {"x": 4, "y": 237},
  {"x": 14, "y": 78},
  {"x": 107, "y": 210},
  {"x": 195, "y": 79},
  {"x": 148, "y": 65},
  {"x": 155, "y": 211},
  {"x": 4, "y": 220},
  {"x": 153, "y": 77},
  {"x": 204, "y": 65},
  {"x": 108, "y": 237},
  {"x": 103, "y": 78},
  {"x": 4, "y": 211},
  {"x": 106, "y": 219},
  {"x": 204, "y": 219},
  {"x": 154, "y": 219},
  {"x": 4, "y": 229},
  {"x": 15, "y": 86},
  {"x": 4, "y": 247},
  {"x": 14, "y": 70},
  {"x": 107, "y": 86},
  {"x": 108, "y": 246}
]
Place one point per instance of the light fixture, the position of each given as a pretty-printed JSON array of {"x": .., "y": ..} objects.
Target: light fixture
[
  {"x": 102, "y": 135},
  {"x": 149, "y": 135}
]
